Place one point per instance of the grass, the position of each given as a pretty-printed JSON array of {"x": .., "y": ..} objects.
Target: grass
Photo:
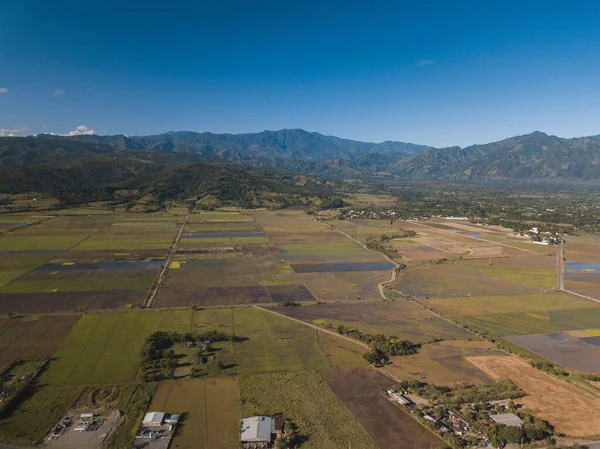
[
  {"x": 37, "y": 414},
  {"x": 210, "y": 409},
  {"x": 134, "y": 402},
  {"x": 530, "y": 276},
  {"x": 307, "y": 400},
  {"x": 275, "y": 343},
  {"x": 502, "y": 304},
  {"x": 341, "y": 352},
  {"x": 507, "y": 324},
  {"x": 101, "y": 349}
]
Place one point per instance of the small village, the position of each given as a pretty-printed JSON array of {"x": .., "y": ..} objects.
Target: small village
[{"x": 481, "y": 424}]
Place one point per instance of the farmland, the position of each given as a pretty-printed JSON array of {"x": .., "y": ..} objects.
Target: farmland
[
  {"x": 83, "y": 262},
  {"x": 31, "y": 337},
  {"x": 267, "y": 257},
  {"x": 549, "y": 398},
  {"x": 306, "y": 399},
  {"x": 402, "y": 319},
  {"x": 73, "y": 283},
  {"x": 387, "y": 424},
  {"x": 105, "y": 349},
  {"x": 444, "y": 363},
  {"x": 210, "y": 409}
]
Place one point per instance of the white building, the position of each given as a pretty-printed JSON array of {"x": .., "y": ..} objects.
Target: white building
[
  {"x": 507, "y": 419},
  {"x": 153, "y": 419},
  {"x": 257, "y": 429}
]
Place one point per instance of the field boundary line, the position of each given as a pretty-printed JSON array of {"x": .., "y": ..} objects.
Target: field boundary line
[
  {"x": 314, "y": 326},
  {"x": 66, "y": 379},
  {"x": 55, "y": 255},
  {"x": 394, "y": 273},
  {"x": 321, "y": 348},
  {"x": 164, "y": 269},
  {"x": 41, "y": 336}
]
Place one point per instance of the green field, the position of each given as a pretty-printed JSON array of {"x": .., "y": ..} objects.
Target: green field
[
  {"x": 526, "y": 303},
  {"x": 275, "y": 343},
  {"x": 101, "y": 349},
  {"x": 211, "y": 410},
  {"x": 37, "y": 414},
  {"x": 307, "y": 400},
  {"x": 105, "y": 348}
]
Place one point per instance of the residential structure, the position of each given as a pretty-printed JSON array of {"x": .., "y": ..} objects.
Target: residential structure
[
  {"x": 507, "y": 419},
  {"x": 257, "y": 432}
]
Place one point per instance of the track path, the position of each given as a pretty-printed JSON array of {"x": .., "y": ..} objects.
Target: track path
[
  {"x": 381, "y": 286},
  {"x": 162, "y": 274}
]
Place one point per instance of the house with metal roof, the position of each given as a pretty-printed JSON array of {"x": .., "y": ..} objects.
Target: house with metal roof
[
  {"x": 507, "y": 419},
  {"x": 153, "y": 419},
  {"x": 257, "y": 429}
]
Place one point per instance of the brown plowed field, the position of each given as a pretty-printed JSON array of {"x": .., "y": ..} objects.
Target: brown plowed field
[
  {"x": 387, "y": 424},
  {"x": 569, "y": 409},
  {"x": 27, "y": 338}
]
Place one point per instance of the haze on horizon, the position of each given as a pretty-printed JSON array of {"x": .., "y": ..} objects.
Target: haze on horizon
[{"x": 434, "y": 72}]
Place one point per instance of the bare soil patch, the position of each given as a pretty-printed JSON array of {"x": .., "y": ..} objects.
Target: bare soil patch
[
  {"x": 387, "y": 424},
  {"x": 568, "y": 409}
]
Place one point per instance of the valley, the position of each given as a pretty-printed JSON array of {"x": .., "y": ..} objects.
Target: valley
[{"x": 478, "y": 303}]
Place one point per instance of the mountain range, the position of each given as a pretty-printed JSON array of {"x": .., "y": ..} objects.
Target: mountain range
[{"x": 47, "y": 162}]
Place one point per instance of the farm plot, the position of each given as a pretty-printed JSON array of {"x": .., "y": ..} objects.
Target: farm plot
[
  {"x": 210, "y": 411},
  {"x": 229, "y": 263},
  {"x": 305, "y": 398},
  {"x": 101, "y": 349},
  {"x": 331, "y": 266},
  {"x": 583, "y": 277},
  {"x": 33, "y": 337},
  {"x": 579, "y": 354},
  {"x": 444, "y": 363},
  {"x": 530, "y": 304},
  {"x": 402, "y": 319},
  {"x": 549, "y": 398},
  {"x": 274, "y": 343},
  {"x": 90, "y": 262},
  {"x": 387, "y": 424}
]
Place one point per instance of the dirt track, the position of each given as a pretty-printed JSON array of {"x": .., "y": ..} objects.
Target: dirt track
[{"x": 387, "y": 424}]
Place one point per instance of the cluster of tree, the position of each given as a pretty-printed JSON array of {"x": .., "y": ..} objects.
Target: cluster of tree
[
  {"x": 533, "y": 429},
  {"x": 290, "y": 437},
  {"x": 381, "y": 242},
  {"x": 381, "y": 347},
  {"x": 159, "y": 358},
  {"x": 467, "y": 394}
]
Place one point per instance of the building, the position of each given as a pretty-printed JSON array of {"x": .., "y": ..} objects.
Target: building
[
  {"x": 399, "y": 398},
  {"x": 153, "y": 419},
  {"x": 507, "y": 419},
  {"x": 257, "y": 429}
]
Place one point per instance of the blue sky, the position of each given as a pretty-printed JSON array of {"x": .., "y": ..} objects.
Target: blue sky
[{"x": 433, "y": 72}]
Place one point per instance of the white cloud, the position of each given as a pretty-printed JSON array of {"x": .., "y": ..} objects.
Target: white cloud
[
  {"x": 3, "y": 90},
  {"x": 12, "y": 132},
  {"x": 44, "y": 126},
  {"x": 81, "y": 130},
  {"x": 57, "y": 92},
  {"x": 422, "y": 62}
]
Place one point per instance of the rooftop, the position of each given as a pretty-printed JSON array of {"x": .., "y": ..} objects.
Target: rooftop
[
  {"x": 507, "y": 419},
  {"x": 257, "y": 428},
  {"x": 153, "y": 418}
]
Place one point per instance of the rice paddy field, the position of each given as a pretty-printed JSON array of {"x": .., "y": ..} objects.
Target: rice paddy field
[
  {"x": 265, "y": 257},
  {"x": 210, "y": 410},
  {"x": 403, "y": 319},
  {"x": 105, "y": 348},
  {"x": 83, "y": 262}
]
